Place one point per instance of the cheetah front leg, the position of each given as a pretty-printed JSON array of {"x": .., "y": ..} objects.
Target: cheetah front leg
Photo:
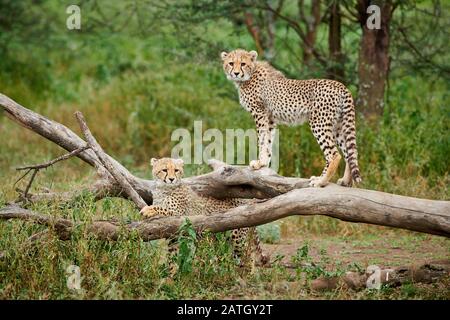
[
  {"x": 259, "y": 258},
  {"x": 247, "y": 248},
  {"x": 265, "y": 127},
  {"x": 240, "y": 249},
  {"x": 173, "y": 249},
  {"x": 152, "y": 211}
]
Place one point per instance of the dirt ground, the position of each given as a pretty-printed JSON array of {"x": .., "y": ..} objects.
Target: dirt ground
[{"x": 384, "y": 251}]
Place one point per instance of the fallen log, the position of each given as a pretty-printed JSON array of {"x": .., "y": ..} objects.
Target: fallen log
[
  {"x": 347, "y": 204},
  {"x": 284, "y": 196}
]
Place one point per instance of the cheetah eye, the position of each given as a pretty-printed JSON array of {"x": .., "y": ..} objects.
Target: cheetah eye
[
  {"x": 177, "y": 170},
  {"x": 243, "y": 64},
  {"x": 164, "y": 170},
  {"x": 231, "y": 64}
]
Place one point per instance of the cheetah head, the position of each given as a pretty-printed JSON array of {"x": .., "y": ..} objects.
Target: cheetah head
[
  {"x": 167, "y": 170},
  {"x": 239, "y": 64}
]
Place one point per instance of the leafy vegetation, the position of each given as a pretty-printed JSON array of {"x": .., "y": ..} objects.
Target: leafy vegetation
[{"x": 136, "y": 87}]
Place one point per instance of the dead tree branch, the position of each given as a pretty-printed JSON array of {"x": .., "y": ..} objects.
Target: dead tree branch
[
  {"x": 68, "y": 140},
  {"x": 286, "y": 196},
  {"x": 104, "y": 159},
  {"x": 24, "y": 196},
  {"x": 347, "y": 204},
  {"x": 52, "y": 162}
]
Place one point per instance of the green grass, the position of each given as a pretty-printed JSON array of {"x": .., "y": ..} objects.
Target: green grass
[{"x": 134, "y": 93}]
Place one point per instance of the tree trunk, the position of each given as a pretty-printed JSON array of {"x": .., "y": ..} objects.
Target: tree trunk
[
  {"x": 312, "y": 22},
  {"x": 254, "y": 31},
  {"x": 336, "y": 69},
  {"x": 373, "y": 69},
  {"x": 261, "y": 27}
]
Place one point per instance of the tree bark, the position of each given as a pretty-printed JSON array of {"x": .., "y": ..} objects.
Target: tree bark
[
  {"x": 254, "y": 31},
  {"x": 260, "y": 24},
  {"x": 284, "y": 196},
  {"x": 347, "y": 204},
  {"x": 312, "y": 22},
  {"x": 108, "y": 164},
  {"x": 374, "y": 59},
  {"x": 336, "y": 69}
]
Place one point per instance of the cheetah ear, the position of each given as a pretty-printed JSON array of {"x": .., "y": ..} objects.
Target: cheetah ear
[
  {"x": 224, "y": 55},
  {"x": 153, "y": 161},
  {"x": 253, "y": 55}
]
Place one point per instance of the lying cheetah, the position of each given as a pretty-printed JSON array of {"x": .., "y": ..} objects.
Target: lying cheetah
[
  {"x": 172, "y": 197},
  {"x": 273, "y": 99}
]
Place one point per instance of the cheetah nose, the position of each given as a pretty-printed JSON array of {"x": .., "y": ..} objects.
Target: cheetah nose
[
  {"x": 171, "y": 179},
  {"x": 236, "y": 73}
]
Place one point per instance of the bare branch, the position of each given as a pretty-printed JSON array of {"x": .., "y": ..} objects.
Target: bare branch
[
  {"x": 68, "y": 140},
  {"x": 104, "y": 159},
  {"x": 24, "y": 196},
  {"x": 296, "y": 27},
  {"x": 52, "y": 162}
]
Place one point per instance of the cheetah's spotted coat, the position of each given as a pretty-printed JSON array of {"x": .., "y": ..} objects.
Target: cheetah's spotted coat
[
  {"x": 273, "y": 99},
  {"x": 172, "y": 197}
]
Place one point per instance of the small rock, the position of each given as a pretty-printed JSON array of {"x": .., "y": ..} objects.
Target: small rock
[
  {"x": 323, "y": 284},
  {"x": 281, "y": 287},
  {"x": 354, "y": 280}
]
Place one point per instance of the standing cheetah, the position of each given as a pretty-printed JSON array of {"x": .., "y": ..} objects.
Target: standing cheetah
[
  {"x": 172, "y": 197},
  {"x": 273, "y": 99}
]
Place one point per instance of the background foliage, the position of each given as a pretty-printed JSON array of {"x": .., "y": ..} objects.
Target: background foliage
[{"x": 140, "y": 69}]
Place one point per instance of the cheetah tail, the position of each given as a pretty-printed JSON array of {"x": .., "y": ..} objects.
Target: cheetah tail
[
  {"x": 352, "y": 156},
  {"x": 349, "y": 133}
]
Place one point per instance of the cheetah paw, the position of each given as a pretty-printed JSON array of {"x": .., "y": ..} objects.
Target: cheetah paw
[
  {"x": 148, "y": 211},
  {"x": 256, "y": 164},
  {"x": 345, "y": 183},
  {"x": 317, "y": 182}
]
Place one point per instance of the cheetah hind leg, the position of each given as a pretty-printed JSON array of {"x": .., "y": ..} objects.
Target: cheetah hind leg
[
  {"x": 346, "y": 180},
  {"x": 323, "y": 132},
  {"x": 330, "y": 170},
  {"x": 314, "y": 178},
  {"x": 259, "y": 258}
]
